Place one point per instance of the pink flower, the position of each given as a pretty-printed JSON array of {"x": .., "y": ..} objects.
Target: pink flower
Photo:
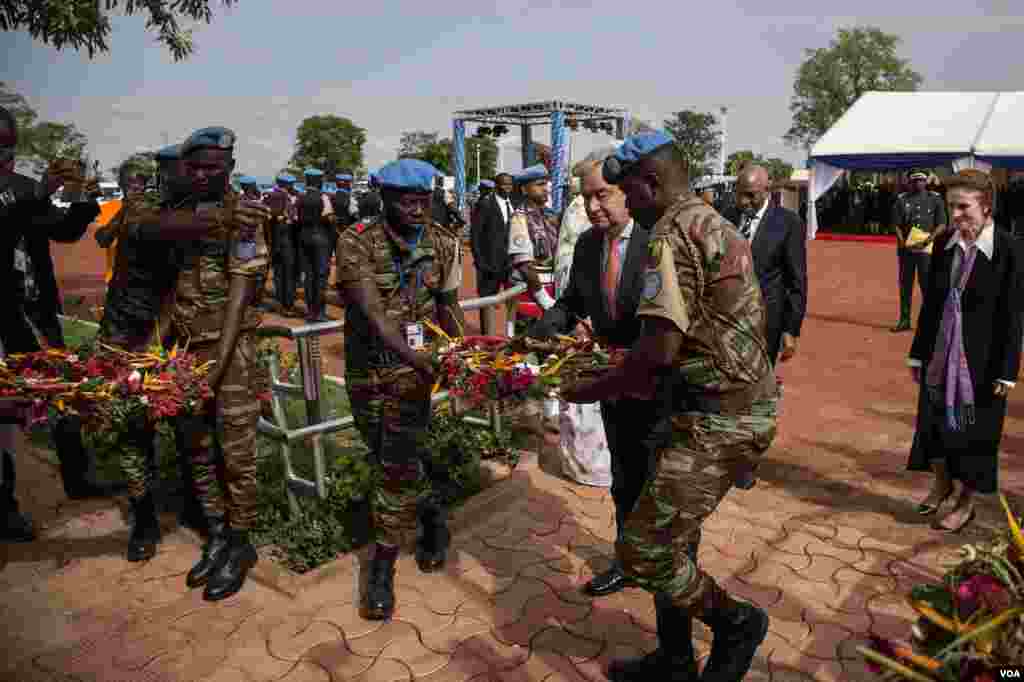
[
  {"x": 983, "y": 589},
  {"x": 134, "y": 382}
]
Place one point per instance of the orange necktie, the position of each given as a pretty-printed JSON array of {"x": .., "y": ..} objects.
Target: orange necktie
[{"x": 611, "y": 277}]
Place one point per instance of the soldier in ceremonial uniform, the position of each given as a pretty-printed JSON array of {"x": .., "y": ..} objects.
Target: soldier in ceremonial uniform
[
  {"x": 316, "y": 231},
  {"x": 394, "y": 272},
  {"x": 925, "y": 210},
  {"x": 135, "y": 314},
  {"x": 224, "y": 263},
  {"x": 282, "y": 211},
  {"x": 702, "y": 349}
]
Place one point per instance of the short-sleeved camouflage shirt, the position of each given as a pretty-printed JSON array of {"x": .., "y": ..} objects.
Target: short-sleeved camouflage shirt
[
  {"x": 700, "y": 277},
  {"x": 207, "y": 266},
  {"x": 144, "y": 273},
  {"x": 408, "y": 278}
]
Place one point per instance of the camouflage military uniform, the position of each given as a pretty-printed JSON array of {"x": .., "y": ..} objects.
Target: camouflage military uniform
[
  {"x": 143, "y": 275},
  {"x": 720, "y": 396},
  {"x": 390, "y": 403},
  {"x": 208, "y": 265},
  {"x": 926, "y": 211}
]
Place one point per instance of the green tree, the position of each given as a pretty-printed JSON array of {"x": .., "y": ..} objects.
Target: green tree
[
  {"x": 40, "y": 142},
  {"x": 142, "y": 163},
  {"x": 425, "y": 146},
  {"x": 23, "y": 113},
  {"x": 832, "y": 78},
  {"x": 330, "y": 143},
  {"x": 739, "y": 158},
  {"x": 85, "y": 24},
  {"x": 778, "y": 170},
  {"x": 696, "y": 136},
  {"x": 51, "y": 141}
]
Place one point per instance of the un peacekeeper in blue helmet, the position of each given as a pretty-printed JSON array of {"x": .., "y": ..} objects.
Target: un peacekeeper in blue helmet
[{"x": 393, "y": 273}]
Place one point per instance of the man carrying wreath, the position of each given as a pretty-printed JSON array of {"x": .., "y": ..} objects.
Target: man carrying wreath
[
  {"x": 393, "y": 272},
  {"x": 702, "y": 349}
]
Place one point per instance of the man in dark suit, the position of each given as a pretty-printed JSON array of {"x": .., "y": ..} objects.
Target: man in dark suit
[
  {"x": 489, "y": 242},
  {"x": 605, "y": 285},
  {"x": 778, "y": 242},
  {"x": 489, "y": 236}
]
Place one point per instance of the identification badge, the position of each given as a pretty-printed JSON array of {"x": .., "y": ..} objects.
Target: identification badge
[{"x": 414, "y": 335}]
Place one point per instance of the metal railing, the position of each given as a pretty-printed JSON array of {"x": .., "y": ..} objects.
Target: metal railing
[{"x": 307, "y": 341}]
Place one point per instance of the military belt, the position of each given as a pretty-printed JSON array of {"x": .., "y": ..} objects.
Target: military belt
[
  {"x": 733, "y": 401},
  {"x": 383, "y": 359}
]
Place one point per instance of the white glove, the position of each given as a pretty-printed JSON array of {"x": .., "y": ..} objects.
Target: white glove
[{"x": 543, "y": 299}]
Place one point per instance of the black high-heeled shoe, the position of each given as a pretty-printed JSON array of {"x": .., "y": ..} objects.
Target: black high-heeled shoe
[{"x": 925, "y": 509}]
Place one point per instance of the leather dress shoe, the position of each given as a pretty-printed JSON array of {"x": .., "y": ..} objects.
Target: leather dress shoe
[{"x": 609, "y": 582}]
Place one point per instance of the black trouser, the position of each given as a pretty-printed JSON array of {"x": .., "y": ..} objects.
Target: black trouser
[
  {"x": 626, "y": 423},
  {"x": 284, "y": 265},
  {"x": 487, "y": 284},
  {"x": 316, "y": 250},
  {"x": 909, "y": 263},
  {"x": 300, "y": 260}
]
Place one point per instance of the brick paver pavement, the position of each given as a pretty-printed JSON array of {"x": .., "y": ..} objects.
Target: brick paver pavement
[{"x": 827, "y": 543}]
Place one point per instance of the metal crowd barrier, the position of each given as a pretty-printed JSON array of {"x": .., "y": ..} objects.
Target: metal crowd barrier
[{"x": 307, "y": 341}]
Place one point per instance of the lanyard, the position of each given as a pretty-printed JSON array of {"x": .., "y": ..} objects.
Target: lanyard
[{"x": 398, "y": 265}]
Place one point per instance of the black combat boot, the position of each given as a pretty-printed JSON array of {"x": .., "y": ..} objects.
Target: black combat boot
[
  {"x": 214, "y": 552},
  {"x": 145, "y": 529},
  {"x": 379, "y": 602},
  {"x": 738, "y": 629},
  {"x": 433, "y": 539},
  {"x": 229, "y": 575},
  {"x": 674, "y": 659},
  {"x": 14, "y": 527}
]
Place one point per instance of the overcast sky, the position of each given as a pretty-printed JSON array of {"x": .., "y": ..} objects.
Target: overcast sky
[{"x": 393, "y": 66}]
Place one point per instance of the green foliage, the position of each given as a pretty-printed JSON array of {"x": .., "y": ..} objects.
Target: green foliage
[
  {"x": 740, "y": 158},
  {"x": 85, "y": 24},
  {"x": 696, "y": 136},
  {"x": 778, "y": 170},
  {"x": 40, "y": 142},
  {"x": 431, "y": 148},
  {"x": 832, "y": 78},
  {"x": 334, "y": 144}
]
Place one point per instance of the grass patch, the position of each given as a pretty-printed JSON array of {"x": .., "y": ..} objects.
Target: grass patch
[{"x": 324, "y": 528}]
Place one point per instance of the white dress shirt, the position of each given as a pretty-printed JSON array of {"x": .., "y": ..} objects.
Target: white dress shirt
[
  {"x": 505, "y": 205},
  {"x": 756, "y": 220}
]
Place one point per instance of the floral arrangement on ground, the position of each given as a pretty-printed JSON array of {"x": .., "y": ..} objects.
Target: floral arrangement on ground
[
  {"x": 479, "y": 369},
  {"x": 971, "y": 625}
]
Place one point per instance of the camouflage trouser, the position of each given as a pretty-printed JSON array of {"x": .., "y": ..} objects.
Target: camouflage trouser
[
  {"x": 391, "y": 409},
  {"x": 689, "y": 477},
  {"x": 230, "y": 422},
  {"x": 135, "y": 446}
]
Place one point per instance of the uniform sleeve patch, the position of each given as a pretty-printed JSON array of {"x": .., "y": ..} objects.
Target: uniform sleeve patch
[{"x": 652, "y": 284}]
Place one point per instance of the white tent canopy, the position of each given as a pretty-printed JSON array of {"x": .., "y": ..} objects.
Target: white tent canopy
[{"x": 889, "y": 130}]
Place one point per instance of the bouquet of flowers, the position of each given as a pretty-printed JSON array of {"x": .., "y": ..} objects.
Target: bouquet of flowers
[
  {"x": 106, "y": 386},
  {"x": 478, "y": 369},
  {"x": 969, "y": 625}
]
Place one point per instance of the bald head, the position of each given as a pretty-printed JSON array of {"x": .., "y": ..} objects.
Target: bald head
[{"x": 752, "y": 186}]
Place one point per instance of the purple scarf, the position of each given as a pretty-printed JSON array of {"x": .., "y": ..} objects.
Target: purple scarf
[{"x": 948, "y": 365}]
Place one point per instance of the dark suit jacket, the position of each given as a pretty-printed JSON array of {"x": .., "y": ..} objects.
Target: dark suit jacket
[
  {"x": 991, "y": 306},
  {"x": 584, "y": 295},
  {"x": 780, "y": 260},
  {"x": 39, "y": 221},
  {"x": 489, "y": 238}
]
